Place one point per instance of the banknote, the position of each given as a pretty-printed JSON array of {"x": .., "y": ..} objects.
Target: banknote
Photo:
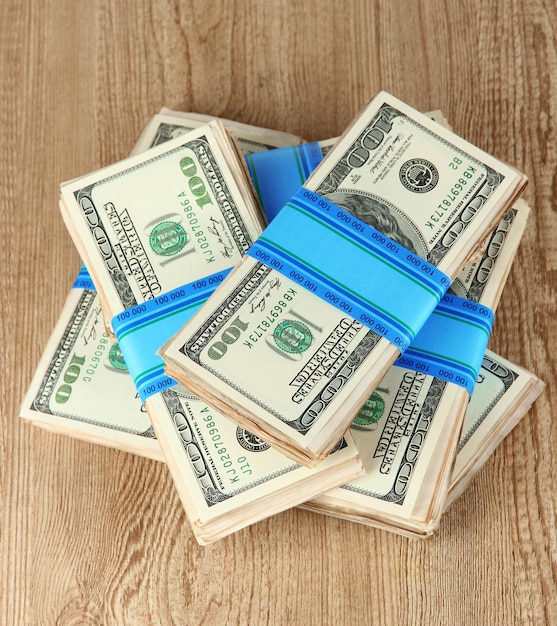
[
  {"x": 400, "y": 435},
  {"x": 82, "y": 387},
  {"x": 169, "y": 124},
  {"x": 121, "y": 422},
  {"x": 157, "y": 226},
  {"x": 409, "y": 428},
  {"x": 138, "y": 223},
  {"x": 298, "y": 335}
]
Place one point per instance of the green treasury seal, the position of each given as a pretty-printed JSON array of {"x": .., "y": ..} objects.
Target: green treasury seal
[
  {"x": 116, "y": 358},
  {"x": 371, "y": 412},
  {"x": 292, "y": 336},
  {"x": 168, "y": 238}
]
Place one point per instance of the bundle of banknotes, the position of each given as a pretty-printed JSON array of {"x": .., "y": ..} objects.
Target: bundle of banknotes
[{"x": 333, "y": 359}]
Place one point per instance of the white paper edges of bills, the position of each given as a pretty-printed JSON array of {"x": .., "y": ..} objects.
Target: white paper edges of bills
[{"x": 169, "y": 124}]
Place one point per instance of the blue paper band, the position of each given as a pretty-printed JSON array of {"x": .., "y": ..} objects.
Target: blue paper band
[
  {"x": 452, "y": 343},
  {"x": 353, "y": 266},
  {"x": 142, "y": 329},
  {"x": 83, "y": 280},
  {"x": 278, "y": 174}
]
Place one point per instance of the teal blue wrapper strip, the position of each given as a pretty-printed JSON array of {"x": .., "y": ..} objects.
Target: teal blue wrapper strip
[
  {"x": 83, "y": 280},
  {"x": 353, "y": 266},
  {"x": 277, "y": 174},
  {"x": 142, "y": 329},
  {"x": 452, "y": 343}
]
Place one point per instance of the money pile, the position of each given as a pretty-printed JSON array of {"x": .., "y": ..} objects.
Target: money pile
[{"x": 227, "y": 476}]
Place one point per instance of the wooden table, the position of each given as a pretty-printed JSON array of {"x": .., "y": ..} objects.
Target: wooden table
[{"x": 95, "y": 536}]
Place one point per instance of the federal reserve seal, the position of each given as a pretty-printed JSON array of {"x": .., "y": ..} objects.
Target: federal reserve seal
[
  {"x": 370, "y": 413},
  {"x": 292, "y": 336},
  {"x": 250, "y": 442},
  {"x": 116, "y": 358},
  {"x": 419, "y": 175},
  {"x": 168, "y": 238}
]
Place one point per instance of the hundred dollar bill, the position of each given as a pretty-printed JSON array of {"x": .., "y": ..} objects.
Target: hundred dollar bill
[
  {"x": 185, "y": 204},
  {"x": 227, "y": 478},
  {"x": 82, "y": 387},
  {"x": 399, "y": 437},
  {"x": 147, "y": 226},
  {"x": 169, "y": 124},
  {"x": 294, "y": 367},
  {"x": 408, "y": 430}
]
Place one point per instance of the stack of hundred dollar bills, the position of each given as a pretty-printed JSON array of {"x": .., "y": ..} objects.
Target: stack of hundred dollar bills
[{"x": 164, "y": 236}]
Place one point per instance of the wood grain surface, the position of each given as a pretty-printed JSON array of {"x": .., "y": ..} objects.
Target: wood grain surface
[{"x": 94, "y": 536}]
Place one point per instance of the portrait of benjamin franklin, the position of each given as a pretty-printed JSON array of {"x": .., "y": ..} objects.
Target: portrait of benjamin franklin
[{"x": 380, "y": 215}]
